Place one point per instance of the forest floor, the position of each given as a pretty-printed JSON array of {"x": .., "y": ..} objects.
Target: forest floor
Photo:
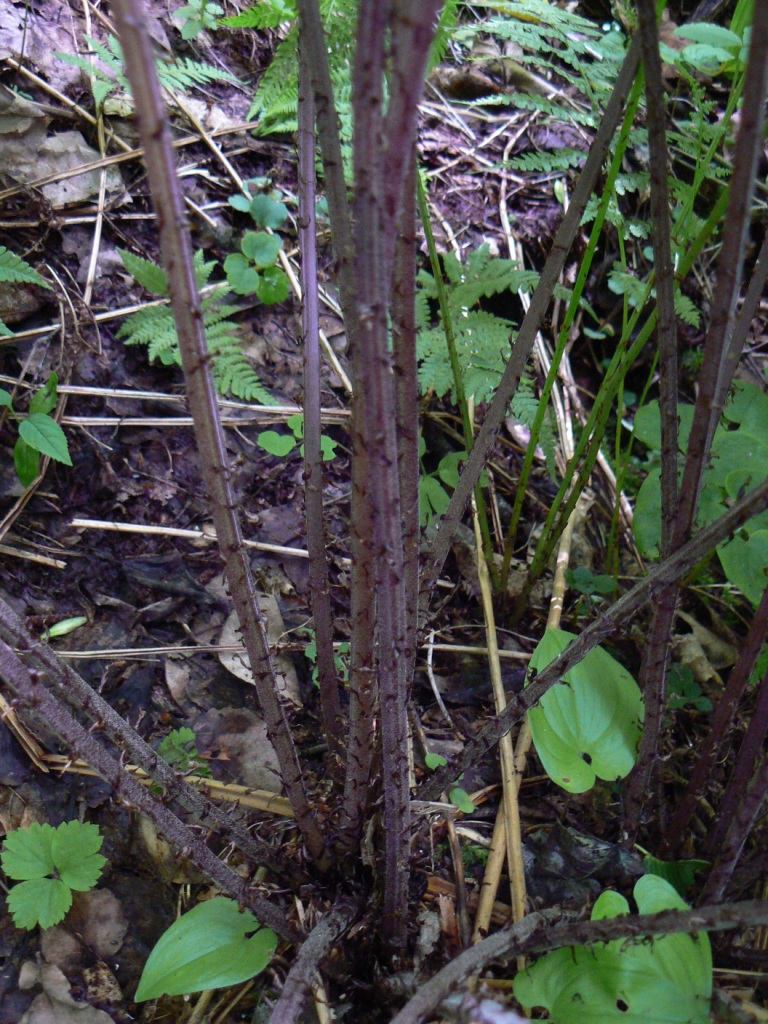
[{"x": 121, "y": 538}]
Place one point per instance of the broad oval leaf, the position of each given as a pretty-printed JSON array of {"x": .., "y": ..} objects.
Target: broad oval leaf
[
  {"x": 206, "y": 948},
  {"x": 261, "y": 248},
  {"x": 668, "y": 979},
  {"x": 268, "y": 212},
  {"x": 43, "y": 901},
  {"x": 26, "y": 461},
  {"x": 46, "y": 436},
  {"x": 273, "y": 286},
  {"x": 745, "y": 563},
  {"x": 589, "y": 725}
]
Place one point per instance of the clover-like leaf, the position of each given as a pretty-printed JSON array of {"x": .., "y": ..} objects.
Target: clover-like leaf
[
  {"x": 242, "y": 277},
  {"x": 27, "y": 852},
  {"x": 45, "y": 436},
  {"x": 589, "y": 725},
  {"x": 43, "y": 901},
  {"x": 273, "y": 286},
  {"x": 261, "y": 248},
  {"x": 668, "y": 979},
  {"x": 276, "y": 444},
  {"x": 206, "y": 948},
  {"x": 75, "y": 851}
]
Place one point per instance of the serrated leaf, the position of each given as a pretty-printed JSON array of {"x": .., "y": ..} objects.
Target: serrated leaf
[
  {"x": 276, "y": 444},
  {"x": 272, "y": 286},
  {"x": 268, "y": 212},
  {"x": 45, "y": 399},
  {"x": 261, "y": 248},
  {"x": 40, "y": 901},
  {"x": 27, "y": 852},
  {"x": 26, "y": 462},
  {"x": 150, "y": 276},
  {"x": 75, "y": 853},
  {"x": 206, "y": 948},
  {"x": 14, "y": 269},
  {"x": 46, "y": 436}
]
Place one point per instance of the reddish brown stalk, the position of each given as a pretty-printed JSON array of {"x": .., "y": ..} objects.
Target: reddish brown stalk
[
  {"x": 71, "y": 688},
  {"x": 176, "y": 248},
  {"x": 721, "y": 354},
  {"x": 362, "y": 679},
  {"x": 743, "y": 769},
  {"x": 713, "y": 746},
  {"x": 531, "y": 325},
  {"x": 319, "y": 582},
  {"x": 618, "y": 615},
  {"x": 27, "y": 685}
]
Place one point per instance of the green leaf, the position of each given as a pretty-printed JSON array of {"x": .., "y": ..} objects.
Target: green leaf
[
  {"x": 261, "y": 248},
  {"x": 276, "y": 444},
  {"x": 433, "y": 499},
  {"x": 46, "y": 436},
  {"x": 206, "y": 948},
  {"x": 26, "y": 462},
  {"x": 709, "y": 34},
  {"x": 150, "y": 276},
  {"x": 65, "y": 627},
  {"x": 680, "y": 874},
  {"x": 242, "y": 277},
  {"x": 15, "y": 270},
  {"x": 668, "y": 979},
  {"x": 75, "y": 851},
  {"x": 43, "y": 901},
  {"x": 461, "y": 799},
  {"x": 5, "y": 399},
  {"x": 27, "y": 852},
  {"x": 268, "y": 212},
  {"x": 328, "y": 448},
  {"x": 45, "y": 399},
  {"x": 273, "y": 286},
  {"x": 433, "y": 761},
  {"x": 240, "y": 202},
  {"x": 589, "y": 725},
  {"x": 745, "y": 563}
]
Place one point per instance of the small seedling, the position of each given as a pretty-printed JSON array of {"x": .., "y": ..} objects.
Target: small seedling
[
  {"x": 179, "y": 749},
  {"x": 64, "y": 627},
  {"x": 281, "y": 445},
  {"x": 198, "y": 16},
  {"x": 340, "y": 656},
  {"x": 39, "y": 433},
  {"x": 584, "y": 581},
  {"x": 206, "y": 948},
  {"x": 50, "y": 863},
  {"x": 459, "y": 797},
  {"x": 684, "y": 691},
  {"x": 253, "y": 271}
]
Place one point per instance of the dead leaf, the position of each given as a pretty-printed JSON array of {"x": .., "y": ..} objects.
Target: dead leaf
[
  {"x": 720, "y": 652},
  {"x": 98, "y": 917},
  {"x": 239, "y": 738},
  {"x": 55, "y": 1004},
  {"x": 238, "y": 663}
]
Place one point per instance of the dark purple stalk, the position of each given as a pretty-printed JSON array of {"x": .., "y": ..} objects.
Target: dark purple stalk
[
  {"x": 68, "y": 686},
  {"x": 298, "y": 984},
  {"x": 319, "y": 583},
  {"x": 720, "y": 358},
  {"x": 28, "y": 687},
  {"x": 743, "y": 769},
  {"x": 712, "y": 748},
  {"x": 176, "y": 248},
  {"x": 671, "y": 569},
  {"x": 531, "y": 324}
]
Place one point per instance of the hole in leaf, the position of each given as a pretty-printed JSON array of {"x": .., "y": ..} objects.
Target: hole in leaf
[
  {"x": 587, "y": 758},
  {"x": 621, "y": 1005}
]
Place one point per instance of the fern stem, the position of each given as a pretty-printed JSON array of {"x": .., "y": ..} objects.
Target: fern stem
[
  {"x": 570, "y": 315},
  {"x": 458, "y": 376}
]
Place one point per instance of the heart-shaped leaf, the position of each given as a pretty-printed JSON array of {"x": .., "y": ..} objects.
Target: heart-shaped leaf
[
  {"x": 276, "y": 444},
  {"x": 589, "y": 725},
  {"x": 206, "y": 948},
  {"x": 667, "y": 979}
]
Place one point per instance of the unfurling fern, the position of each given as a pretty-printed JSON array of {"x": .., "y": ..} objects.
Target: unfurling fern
[
  {"x": 482, "y": 339},
  {"x": 15, "y": 270},
  {"x": 173, "y": 74},
  {"x": 154, "y": 327}
]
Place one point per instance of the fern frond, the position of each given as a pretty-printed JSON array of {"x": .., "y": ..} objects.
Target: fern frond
[
  {"x": 524, "y": 407},
  {"x": 150, "y": 276},
  {"x": 184, "y": 74},
  {"x": 263, "y": 16},
  {"x": 15, "y": 270},
  {"x": 547, "y": 162}
]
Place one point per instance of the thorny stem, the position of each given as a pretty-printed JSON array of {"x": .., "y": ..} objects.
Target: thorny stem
[
  {"x": 27, "y": 684},
  {"x": 177, "y": 256},
  {"x": 72, "y": 689},
  {"x": 721, "y": 355},
  {"x": 725, "y": 713},
  {"x": 319, "y": 583},
  {"x": 533, "y": 936},
  {"x": 668, "y": 571}
]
